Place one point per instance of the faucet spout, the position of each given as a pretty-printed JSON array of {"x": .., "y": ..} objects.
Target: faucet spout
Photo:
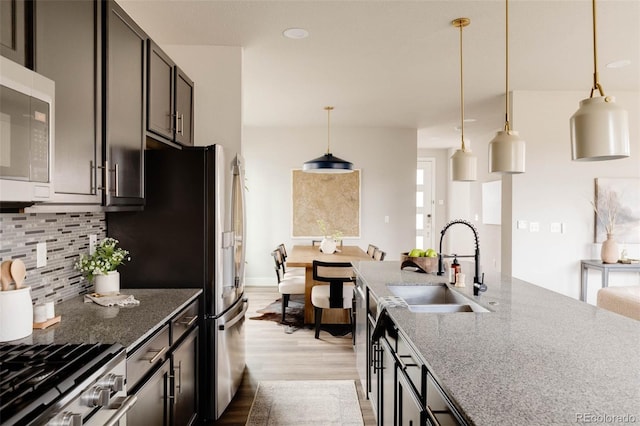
[{"x": 478, "y": 284}]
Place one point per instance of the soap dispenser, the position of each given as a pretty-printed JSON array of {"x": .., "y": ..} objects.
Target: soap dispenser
[{"x": 455, "y": 269}]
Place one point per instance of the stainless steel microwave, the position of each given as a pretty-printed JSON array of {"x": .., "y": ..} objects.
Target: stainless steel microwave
[{"x": 26, "y": 135}]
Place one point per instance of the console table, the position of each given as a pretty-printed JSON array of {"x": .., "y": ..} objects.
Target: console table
[{"x": 604, "y": 268}]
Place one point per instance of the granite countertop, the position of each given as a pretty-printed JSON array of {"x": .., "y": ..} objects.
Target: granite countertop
[
  {"x": 129, "y": 325},
  {"x": 538, "y": 358}
]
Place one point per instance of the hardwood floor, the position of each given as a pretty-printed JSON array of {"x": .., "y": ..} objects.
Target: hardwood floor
[{"x": 274, "y": 355}]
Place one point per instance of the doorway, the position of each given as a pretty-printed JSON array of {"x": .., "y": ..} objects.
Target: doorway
[{"x": 425, "y": 203}]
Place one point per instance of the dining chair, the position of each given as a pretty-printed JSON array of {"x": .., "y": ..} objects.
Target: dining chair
[
  {"x": 337, "y": 294},
  {"x": 286, "y": 270},
  {"x": 379, "y": 254},
  {"x": 286, "y": 285},
  {"x": 371, "y": 250}
]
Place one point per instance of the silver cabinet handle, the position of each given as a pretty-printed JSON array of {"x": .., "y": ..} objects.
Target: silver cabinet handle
[
  {"x": 182, "y": 124},
  {"x": 116, "y": 172},
  {"x": 188, "y": 322},
  {"x": 92, "y": 182},
  {"x": 159, "y": 352},
  {"x": 126, "y": 405}
]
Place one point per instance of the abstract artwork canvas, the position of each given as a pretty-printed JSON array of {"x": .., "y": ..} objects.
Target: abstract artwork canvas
[
  {"x": 619, "y": 196},
  {"x": 333, "y": 198}
]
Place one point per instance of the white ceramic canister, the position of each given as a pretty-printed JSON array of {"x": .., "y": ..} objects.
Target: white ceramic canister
[{"x": 16, "y": 314}]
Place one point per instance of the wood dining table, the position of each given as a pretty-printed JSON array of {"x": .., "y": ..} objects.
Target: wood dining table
[{"x": 303, "y": 256}]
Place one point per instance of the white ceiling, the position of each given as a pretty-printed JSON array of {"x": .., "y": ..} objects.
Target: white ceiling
[{"x": 396, "y": 63}]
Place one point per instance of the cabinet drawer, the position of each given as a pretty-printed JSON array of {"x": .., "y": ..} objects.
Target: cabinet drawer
[
  {"x": 439, "y": 410},
  {"x": 412, "y": 366},
  {"x": 149, "y": 354},
  {"x": 184, "y": 321}
]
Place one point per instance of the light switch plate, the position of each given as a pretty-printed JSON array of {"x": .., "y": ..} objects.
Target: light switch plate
[
  {"x": 522, "y": 224},
  {"x": 556, "y": 227},
  {"x": 41, "y": 255},
  {"x": 534, "y": 227},
  {"x": 93, "y": 240}
]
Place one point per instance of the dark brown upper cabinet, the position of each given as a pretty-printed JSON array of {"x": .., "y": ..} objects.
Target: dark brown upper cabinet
[
  {"x": 16, "y": 25},
  {"x": 67, "y": 50},
  {"x": 125, "y": 67},
  {"x": 169, "y": 99}
]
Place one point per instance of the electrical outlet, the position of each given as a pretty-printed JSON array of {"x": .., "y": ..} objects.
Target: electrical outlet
[
  {"x": 386, "y": 219},
  {"x": 93, "y": 240},
  {"x": 522, "y": 224},
  {"x": 534, "y": 227},
  {"x": 41, "y": 255}
]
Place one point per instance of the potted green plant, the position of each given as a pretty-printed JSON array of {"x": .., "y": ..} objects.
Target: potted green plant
[{"x": 102, "y": 265}]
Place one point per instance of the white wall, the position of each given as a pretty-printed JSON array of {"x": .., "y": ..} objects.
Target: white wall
[
  {"x": 557, "y": 189},
  {"x": 386, "y": 158},
  {"x": 217, "y": 74}
]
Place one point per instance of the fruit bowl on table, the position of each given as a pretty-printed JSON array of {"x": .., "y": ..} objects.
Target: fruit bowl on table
[{"x": 422, "y": 263}]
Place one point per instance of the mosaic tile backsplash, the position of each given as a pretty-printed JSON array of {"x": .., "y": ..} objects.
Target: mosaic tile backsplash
[{"x": 66, "y": 235}]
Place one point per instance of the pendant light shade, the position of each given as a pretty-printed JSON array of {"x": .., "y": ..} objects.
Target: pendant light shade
[
  {"x": 464, "y": 165},
  {"x": 328, "y": 163},
  {"x": 600, "y": 128},
  {"x": 506, "y": 149}
]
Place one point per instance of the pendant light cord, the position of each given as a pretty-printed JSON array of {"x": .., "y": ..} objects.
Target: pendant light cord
[
  {"x": 506, "y": 72},
  {"x": 328, "y": 108},
  {"x": 596, "y": 83},
  {"x": 461, "y": 92}
]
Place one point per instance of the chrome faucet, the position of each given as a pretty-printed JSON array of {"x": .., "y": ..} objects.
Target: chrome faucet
[{"x": 478, "y": 284}]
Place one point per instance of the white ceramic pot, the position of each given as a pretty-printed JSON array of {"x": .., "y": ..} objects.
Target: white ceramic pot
[
  {"x": 107, "y": 283},
  {"x": 16, "y": 314},
  {"x": 328, "y": 245}
]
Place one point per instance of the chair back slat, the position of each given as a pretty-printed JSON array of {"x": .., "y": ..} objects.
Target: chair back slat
[
  {"x": 379, "y": 254},
  {"x": 371, "y": 249}
]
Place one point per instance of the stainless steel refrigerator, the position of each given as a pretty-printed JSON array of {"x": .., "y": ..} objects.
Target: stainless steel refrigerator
[{"x": 191, "y": 234}]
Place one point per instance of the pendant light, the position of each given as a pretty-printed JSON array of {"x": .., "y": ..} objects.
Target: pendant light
[
  {"x": 506, "y": 149},
  {"x": 463, "y": 162},
  {"x": 599, "y": 128},
  {"x": 328, "y": 163}
]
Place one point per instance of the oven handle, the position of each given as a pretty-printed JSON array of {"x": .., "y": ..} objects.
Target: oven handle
[{"x": 127, "y": 404}]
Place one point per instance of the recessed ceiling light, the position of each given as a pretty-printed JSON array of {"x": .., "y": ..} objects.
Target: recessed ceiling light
[
  {"x": 470, "y": 120},
  {"x": 295, "y": 33},
  {"x": 619, "y": 64}
]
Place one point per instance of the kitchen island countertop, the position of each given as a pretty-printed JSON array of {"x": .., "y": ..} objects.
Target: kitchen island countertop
[
  {"x": 129, "y": 325},
  {"x": 538, "y": 358}
]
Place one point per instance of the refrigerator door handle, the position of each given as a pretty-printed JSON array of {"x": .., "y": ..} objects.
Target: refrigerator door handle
[{"x": 229, "y": 324}]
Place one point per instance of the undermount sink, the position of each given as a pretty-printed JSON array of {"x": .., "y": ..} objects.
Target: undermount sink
[{"x": 434, "y": 299}]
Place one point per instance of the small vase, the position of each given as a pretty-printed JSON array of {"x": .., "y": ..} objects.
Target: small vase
[
  {"x": 609, "y": 252},
  {"x": 108, "y": 283},
  {"x": 328, "y": 245}
]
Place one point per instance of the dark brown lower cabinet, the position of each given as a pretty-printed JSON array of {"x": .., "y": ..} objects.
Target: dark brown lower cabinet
[
  {"x": 184, "y": 367},
  {"x": 152, "y": 406}
]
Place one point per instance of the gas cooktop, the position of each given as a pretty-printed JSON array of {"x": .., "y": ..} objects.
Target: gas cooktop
[{"x": 34, "y": 378}]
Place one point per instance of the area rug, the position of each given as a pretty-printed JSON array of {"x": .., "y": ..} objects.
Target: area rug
[
  {"x": 312, "y": 402},
  {"x": 294, "y": 317}
]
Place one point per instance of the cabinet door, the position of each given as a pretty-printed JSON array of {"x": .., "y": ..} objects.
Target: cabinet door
[
  {"x": 160, "y": 117},
  {"x": 361, "y": 335},
  {"x": 185, "y": 383},
  {"x": 410, "y": 411},
  {"x": 184, "y": 108},
  {"x": 152, "y": 407},
  {"x": 386, "y": 413},
  {"x": 374, "y": 369},
  {"x": 67, "y": 48},
  {"x": 14, "y": 30},
  {"x": 125, "y": 67}
]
